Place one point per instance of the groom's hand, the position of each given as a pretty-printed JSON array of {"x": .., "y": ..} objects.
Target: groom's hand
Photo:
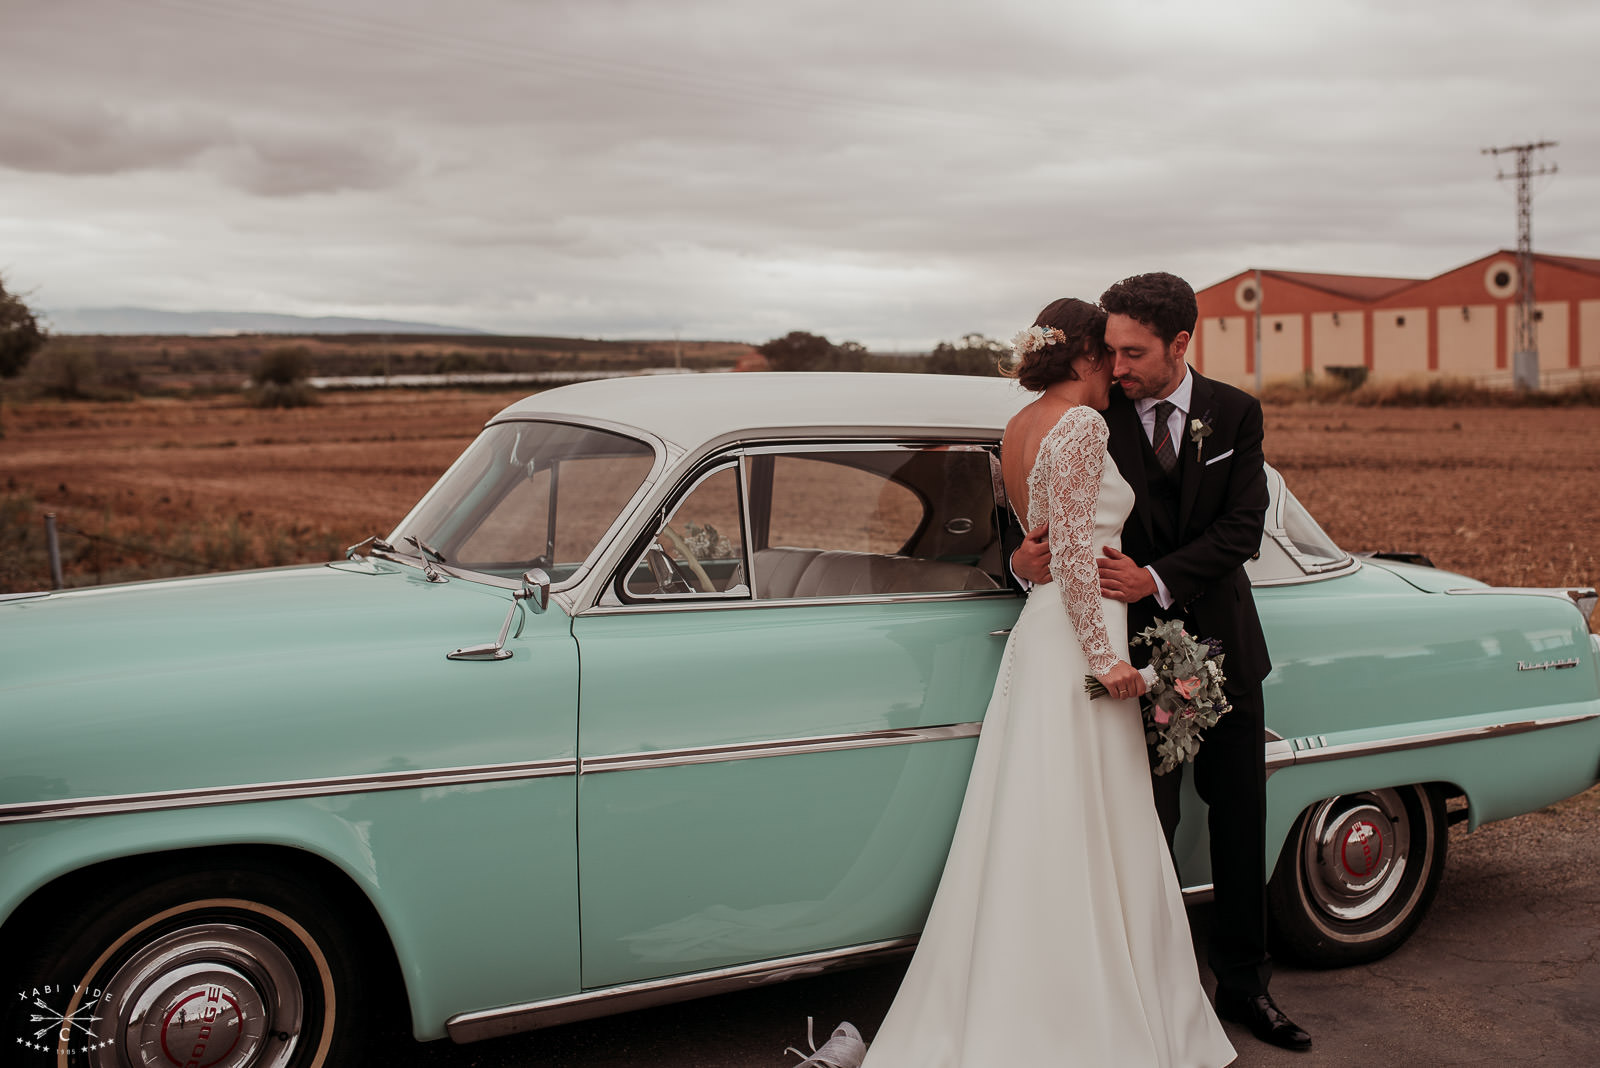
[
  {"x": 1120, "y": 578},
  {"x": 1031, "y": 561}
]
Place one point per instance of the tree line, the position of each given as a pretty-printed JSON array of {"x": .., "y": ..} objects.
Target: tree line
[{"x": 802, "y": 351}]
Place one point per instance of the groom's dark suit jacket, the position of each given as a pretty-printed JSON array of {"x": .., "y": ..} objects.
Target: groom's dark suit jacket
[
  {"x": 1197, "y": 528},
  {"x": 1220, "y": 504}
]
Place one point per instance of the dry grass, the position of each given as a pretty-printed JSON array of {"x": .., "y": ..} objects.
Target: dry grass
[{"x": 1426, "y": 391}]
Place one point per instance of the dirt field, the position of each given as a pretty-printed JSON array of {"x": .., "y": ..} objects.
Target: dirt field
[{"x": 161, "y": 486}]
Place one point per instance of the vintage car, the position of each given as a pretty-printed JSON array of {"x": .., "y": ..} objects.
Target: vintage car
[{"x": 669, "y": 686}]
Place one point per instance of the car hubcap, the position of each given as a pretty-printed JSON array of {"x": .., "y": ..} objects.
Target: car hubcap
[
  {"x": 213, "y": 995},
  {"x": 1355, "y": 853}
]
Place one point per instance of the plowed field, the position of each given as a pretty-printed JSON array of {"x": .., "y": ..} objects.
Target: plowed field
[{"x": 152, "y": 487}]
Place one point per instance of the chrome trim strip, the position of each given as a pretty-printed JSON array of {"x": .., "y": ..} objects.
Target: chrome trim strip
[
  {"x": 1282, "y": 754},
  {"x": 828, "y": 743},
  {"x": 30, "y": 811},
  {"x": 722, "y": 602},
  {"x": 625, "y": 997},
  {"x": 1565, "y": 593},
  {"x": 890, "y": 441}
]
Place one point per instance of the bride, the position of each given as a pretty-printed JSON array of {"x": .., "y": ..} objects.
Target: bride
[{"x": 1058, "y": 934}]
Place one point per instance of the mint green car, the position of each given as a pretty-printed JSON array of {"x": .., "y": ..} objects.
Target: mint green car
[{"x": 670, "y": 686}]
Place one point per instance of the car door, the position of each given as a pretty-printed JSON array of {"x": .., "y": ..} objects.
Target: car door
[{"x": 780, "y": 706}]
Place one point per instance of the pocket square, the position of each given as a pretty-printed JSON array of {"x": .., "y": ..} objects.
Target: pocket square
[{"x": 1223, "y": 456}]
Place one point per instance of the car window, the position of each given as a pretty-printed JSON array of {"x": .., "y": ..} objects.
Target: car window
[
  {"x": 700, "y": 548},
  {"x": 873, "y": 520},
  {"x": 823, "y": 502}
]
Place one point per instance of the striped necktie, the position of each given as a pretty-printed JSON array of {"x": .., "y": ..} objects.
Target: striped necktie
[{"x": 1166, "y": 452}]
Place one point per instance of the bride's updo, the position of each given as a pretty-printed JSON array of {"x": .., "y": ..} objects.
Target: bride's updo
[{"x": 1044, "y": 354}]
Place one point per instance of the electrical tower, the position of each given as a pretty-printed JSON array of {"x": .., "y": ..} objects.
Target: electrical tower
[{"x": 1525, "y": 366}]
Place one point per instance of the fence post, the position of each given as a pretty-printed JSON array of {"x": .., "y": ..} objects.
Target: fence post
[{"x": 53, "y": 544}]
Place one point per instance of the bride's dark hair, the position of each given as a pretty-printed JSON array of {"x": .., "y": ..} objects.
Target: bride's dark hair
[{"x": 1084, "y": 325}]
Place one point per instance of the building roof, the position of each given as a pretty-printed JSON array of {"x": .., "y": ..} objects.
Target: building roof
[
  {"x": 1576, "y": 263},
  {"x": 1362, "y": 287},
  {"x": 689, "y": 409}
]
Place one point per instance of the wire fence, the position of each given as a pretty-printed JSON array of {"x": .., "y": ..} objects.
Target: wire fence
[{"x": 71, "y": 555}]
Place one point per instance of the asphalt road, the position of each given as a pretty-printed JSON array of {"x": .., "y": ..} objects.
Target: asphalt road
[{"x": 1505, "y": 970}]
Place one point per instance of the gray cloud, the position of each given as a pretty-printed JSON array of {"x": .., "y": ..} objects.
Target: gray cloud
[
  {"x": 292, "y": 162},
  {"x": 63, "y": 138},
  {"x": 266, "y": 159}
]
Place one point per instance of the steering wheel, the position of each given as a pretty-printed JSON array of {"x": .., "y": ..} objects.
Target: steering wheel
[
  {"x": 679, "y": 543},
  {"x": 667, "y": 577}
]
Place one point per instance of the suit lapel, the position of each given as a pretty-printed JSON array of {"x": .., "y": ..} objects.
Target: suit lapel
[
  {"x": 1190, "y": 467},
  {"x": 1126, "y": 446}
]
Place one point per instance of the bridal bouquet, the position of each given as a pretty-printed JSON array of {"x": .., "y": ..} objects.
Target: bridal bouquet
[{"x": 1184, "y": 690}]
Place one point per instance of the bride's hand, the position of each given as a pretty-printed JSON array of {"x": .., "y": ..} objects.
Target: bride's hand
[{"x": 1123, "y": 680}]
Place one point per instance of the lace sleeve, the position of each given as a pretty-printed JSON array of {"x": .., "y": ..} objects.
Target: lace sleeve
[{"x": 1076, "y": 462}]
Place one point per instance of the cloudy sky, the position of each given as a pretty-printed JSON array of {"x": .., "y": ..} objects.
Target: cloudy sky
[{"x": 895, "y": 173}]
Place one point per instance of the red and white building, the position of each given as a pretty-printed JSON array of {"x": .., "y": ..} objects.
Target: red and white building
[{"x": 1460, "y": 324}]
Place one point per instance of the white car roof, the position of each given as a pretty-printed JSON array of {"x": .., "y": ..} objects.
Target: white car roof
[{"x": 689, "y": 409}]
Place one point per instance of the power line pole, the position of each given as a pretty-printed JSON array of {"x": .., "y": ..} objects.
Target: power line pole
[
  {"x": 1259, "y": 295},
  {"x": 1525, "y": 365}
]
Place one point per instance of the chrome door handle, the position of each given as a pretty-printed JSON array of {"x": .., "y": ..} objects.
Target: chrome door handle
[{"x": 999, "y": 633}]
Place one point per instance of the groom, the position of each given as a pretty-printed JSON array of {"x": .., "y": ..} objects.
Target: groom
[{"x": 1191, "y": 450}]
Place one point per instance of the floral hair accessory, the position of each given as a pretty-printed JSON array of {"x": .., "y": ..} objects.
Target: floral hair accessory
[{"x": 1035, "y": 338}]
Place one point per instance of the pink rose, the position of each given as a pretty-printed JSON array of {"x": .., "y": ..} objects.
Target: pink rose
[
  {"x": 1186, "y": 687},
  {"x": 1161, "y": 715}
]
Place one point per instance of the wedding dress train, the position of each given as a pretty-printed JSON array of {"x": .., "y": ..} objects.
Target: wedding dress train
[{"x": 1058, "y": 935}]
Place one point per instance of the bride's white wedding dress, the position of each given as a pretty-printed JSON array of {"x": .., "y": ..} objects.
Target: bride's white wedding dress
[{"x": 1058, "y": 936}]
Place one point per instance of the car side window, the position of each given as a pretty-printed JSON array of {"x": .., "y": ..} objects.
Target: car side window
[
  {"x": 873, "y": 520},
  {"x": 699, "y": 550}
]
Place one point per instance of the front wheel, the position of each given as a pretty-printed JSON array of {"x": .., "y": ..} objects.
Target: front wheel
[
  {"x": 1357, "y": 875},
  {"x": 223, "y": 969}
]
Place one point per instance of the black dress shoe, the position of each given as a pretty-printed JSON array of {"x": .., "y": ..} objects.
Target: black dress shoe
[{"x": 1264, "y": 1019}]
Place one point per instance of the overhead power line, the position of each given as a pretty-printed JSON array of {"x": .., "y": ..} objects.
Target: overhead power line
[{"x": 633, "y": 72}]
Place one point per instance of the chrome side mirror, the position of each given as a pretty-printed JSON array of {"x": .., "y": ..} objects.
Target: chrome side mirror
[{"x": 535, "y": 589}]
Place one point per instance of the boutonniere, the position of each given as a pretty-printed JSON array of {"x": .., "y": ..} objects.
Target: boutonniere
[{"x": 1199, "y": 430}]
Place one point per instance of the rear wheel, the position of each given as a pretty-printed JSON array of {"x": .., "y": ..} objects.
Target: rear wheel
[
  {"x": 243, "y": 968},
  {"x": 1357, "y": 875}
]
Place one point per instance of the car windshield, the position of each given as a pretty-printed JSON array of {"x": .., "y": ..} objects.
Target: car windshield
[{"x": 526, "y": 495}]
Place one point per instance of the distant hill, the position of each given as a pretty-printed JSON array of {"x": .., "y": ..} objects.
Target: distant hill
[{"x": 211, "y": 323}]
